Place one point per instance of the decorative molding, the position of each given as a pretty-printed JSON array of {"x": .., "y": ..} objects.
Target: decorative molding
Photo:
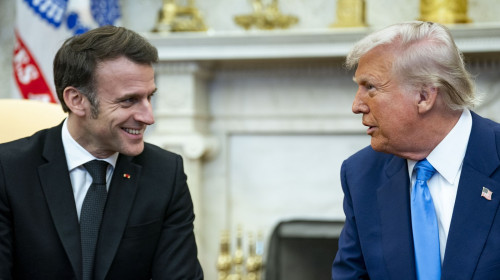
[
  {"x": 293, "y": 44},
  {"x": 202, "y": 70}
]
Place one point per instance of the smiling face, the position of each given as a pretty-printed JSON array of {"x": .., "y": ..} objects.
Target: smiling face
[
  {"x": 389, "y": 111},
  {"x": 124, "y": 90}
]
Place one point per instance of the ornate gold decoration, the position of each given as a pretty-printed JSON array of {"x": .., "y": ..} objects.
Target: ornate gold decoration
[
  {"x": 173, "y": 17},
  {"x": 254, "y": 259},
  {"x": 224, "y": 260},
  {"x": 265, "y": 17},
  {"x": 234, "y": 267},
  {"x": 350, "y": 13},
  {"x": 444, "y": 11}
]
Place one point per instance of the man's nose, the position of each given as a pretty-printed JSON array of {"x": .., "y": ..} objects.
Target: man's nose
[
  {"x": 145, "y": 114},
  {"x": 358, "y": 105}
]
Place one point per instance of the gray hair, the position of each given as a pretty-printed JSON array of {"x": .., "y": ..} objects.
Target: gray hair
[{"x": 425, "y": 55}]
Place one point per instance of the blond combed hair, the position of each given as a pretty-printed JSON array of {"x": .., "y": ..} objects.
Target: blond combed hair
[{"x": 425, "y": 54}]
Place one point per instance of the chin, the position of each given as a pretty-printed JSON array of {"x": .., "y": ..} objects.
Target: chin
[
  {"x": 379, "y": 147},
  {"x": 133, "y": 151}
]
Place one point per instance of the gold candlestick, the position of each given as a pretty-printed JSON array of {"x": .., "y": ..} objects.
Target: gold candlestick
[
  {"x": 254, "y": 260},
  {"x": 239, "y": 257},
  {"x": 224, "y": 261},
  {"x": 444, "y": 11},
  {"x": 236, "y": 267}
]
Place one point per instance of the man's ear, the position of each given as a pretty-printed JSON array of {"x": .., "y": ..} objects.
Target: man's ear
[
  {"x": 76, "y": 101},
  {"x": 427, "y": 98}
]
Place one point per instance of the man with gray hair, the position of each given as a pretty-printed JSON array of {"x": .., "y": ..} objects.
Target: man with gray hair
[{"x": 421, "y": 201}]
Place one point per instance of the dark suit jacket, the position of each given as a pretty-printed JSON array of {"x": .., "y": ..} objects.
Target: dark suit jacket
[
  {"x": 147, "y": 227},
  {"x": 377, "y": 241}
]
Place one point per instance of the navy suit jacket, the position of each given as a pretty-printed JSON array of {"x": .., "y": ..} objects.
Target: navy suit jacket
[
  {"x": 377, "y": 241},
  {"x": 147, "y": 227}
]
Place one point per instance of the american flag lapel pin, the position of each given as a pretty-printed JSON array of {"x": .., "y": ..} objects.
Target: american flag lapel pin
[
  {"x": 486, "y": 193},
  {"x": 126, "y": 175}
]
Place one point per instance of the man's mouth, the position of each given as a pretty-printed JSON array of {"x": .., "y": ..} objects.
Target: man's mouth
[
  {"x": 370, "y": 127},
  {"x": 132, "y": 131}
]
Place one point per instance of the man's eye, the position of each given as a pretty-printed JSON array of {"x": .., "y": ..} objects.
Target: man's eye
[
  {"x": 369, "y": 87},
  {"x": 128, "y": 102}
]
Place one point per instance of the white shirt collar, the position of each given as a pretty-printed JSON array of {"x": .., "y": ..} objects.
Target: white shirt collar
[
  {"x": 447, "y": 157},
  {"x": 76, "y": 155}
]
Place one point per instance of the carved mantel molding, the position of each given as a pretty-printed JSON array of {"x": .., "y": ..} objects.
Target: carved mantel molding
[{"x": 290, "y": 44}]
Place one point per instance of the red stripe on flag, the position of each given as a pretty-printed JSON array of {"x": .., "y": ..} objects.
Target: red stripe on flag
[{"x": 29, "y": 78}]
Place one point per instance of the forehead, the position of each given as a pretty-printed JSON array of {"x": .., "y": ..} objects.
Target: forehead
[
  {"x": 376, "y": 63},
  {"x": 122, "y": 69},
  {"x": 120, "y": 63},
  {"x": 122, "y": 76}
]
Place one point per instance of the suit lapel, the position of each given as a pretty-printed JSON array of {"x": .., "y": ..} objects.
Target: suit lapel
[
  {"x": 121, "y": 196},
  {"x": 473, "y": 214},
  {"x": 56, "y": 185},
  {"x": 394, "y": 206}
]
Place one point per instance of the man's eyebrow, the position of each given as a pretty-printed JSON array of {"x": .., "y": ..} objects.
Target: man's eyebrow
[
  {"x": 134, "y": 95},
  {"x": 359, "y": 80}
]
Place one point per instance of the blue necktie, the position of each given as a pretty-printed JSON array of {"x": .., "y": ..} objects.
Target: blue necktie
[{"x": 424, "y": 224}]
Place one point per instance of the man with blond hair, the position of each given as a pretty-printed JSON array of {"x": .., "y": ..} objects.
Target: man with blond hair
[{"x": 421, "y": 202}]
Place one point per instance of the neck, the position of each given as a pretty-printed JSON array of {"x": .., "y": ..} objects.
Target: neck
[{"x": 433, "y": 129}]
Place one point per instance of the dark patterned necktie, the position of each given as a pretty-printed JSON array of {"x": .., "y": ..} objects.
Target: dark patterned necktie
[{"x": 91, "y": 214}]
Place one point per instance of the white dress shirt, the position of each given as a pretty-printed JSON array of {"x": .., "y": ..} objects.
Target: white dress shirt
[
  {"x": 76, "y": 156},
  {"x": 447, "y": 158}
]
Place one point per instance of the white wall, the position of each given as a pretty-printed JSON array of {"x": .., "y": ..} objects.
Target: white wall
[{"x": 7, "y": 14}]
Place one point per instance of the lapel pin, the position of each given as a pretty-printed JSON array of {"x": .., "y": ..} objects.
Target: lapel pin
[
  {"x": 126, "y": 175},
  {"x": 486, "y": 193}
]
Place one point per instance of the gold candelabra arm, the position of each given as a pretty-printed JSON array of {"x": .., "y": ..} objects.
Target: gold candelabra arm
[{"x": 257, "y": 6}]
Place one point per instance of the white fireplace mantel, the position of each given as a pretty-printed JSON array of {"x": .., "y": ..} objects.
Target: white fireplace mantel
[{"x": 290, "y": 44}]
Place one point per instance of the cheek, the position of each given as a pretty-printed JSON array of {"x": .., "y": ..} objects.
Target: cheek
[
  {"x": 104, "y": 130},
  {"x": 401, "y": 122},
  {"x": 394, "y": 118}
]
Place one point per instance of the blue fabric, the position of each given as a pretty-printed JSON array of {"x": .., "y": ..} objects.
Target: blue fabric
[{"x": 424, "y": 225}]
